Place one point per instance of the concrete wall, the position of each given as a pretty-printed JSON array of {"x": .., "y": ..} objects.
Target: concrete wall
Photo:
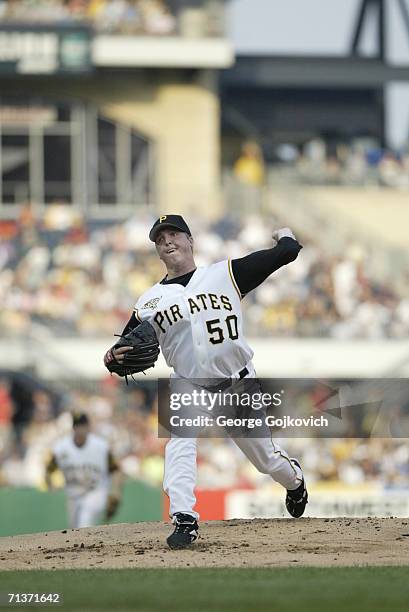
[
  {"x": 183, "y": 119},
  {"x": 57, "y": 359},
  {"x": 178, "y": 109}
]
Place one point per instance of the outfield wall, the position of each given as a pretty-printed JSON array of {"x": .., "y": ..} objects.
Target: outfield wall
[
  {"x": 325, "y": 500},
  {"x": 27, "y": 510}
]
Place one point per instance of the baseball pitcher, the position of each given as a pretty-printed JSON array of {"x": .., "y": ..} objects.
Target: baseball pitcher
[{"x": 194, "y": 314}]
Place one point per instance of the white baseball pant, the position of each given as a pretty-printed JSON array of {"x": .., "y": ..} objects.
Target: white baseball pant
[
  {"x": 181, "y": 461},
  {"x": 86, "y": 510}
]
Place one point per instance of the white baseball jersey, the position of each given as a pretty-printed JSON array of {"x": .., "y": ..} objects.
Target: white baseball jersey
[
  {"x": 85, "y": 468},
  {"x": 199, "y": 327}
]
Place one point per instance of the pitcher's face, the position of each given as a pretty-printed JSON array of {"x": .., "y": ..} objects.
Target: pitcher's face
[{"x": 173, "y": 246}]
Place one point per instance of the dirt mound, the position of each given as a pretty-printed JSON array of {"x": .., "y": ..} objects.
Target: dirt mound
[{"x": 235, "y": 543}]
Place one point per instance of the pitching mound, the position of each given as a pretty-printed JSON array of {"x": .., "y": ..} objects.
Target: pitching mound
[{"x": 235, "y": 543}]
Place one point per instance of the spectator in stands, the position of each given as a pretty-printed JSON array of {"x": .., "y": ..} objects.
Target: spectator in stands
[
  {"x": 68, "y": 277},
  {"x": 249, "y": 167},
  {"x": 128, "y": 419},
  {"x": 248, "y": 170},
  {"x": 157, "y": 17},
  {"x": 152, "y": 17}
]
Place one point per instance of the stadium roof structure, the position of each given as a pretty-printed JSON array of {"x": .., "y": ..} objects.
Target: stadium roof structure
[
  {"x": 352, "y": 69},
  {"x": 312, "y": 71}
]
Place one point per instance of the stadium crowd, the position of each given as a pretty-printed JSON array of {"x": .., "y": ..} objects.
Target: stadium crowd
[
  {"x": 120, "y": 16},
  {"x": 127, "y": 418},
  {"x": 359, "y": 163},
  {"x": 72, "y": 277}
]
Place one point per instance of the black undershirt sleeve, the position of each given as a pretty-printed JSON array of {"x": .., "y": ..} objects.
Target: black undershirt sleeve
[
  {"x": 250, "y": 271},
  {"x": 132, "y": 323}
]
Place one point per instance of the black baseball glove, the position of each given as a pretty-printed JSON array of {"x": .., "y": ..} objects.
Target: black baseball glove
[{"x": 144, "y": 354}]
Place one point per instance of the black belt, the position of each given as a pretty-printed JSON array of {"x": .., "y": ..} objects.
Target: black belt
[{"x": 228, "y": 382}]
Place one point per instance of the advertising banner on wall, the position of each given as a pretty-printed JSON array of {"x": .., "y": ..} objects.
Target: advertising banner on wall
[
  {"x": 45, "y": 49},
  {"x": 325, "y": 501},
  {"x": 353, "y": 502}
]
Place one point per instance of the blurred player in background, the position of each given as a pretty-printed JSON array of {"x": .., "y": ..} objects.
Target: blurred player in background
[{"x": 93, "y": 480}]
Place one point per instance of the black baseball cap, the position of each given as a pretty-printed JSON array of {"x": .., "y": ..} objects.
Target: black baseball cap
[
  {"x": 175, "y": 221},
  {"x": 80, "y": 418}
]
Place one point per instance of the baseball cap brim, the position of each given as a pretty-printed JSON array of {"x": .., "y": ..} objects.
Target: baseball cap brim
[{"x": 155, "y": 230}]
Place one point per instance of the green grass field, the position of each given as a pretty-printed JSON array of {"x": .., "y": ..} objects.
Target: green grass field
[{"x": 365, "y": 589}]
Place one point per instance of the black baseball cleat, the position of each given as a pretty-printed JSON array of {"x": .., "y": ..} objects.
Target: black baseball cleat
[
  {"x": 186, "y": 531},
  {"x": 297, "y": 499}
]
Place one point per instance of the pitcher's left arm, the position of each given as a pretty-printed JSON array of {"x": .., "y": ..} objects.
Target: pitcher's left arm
[{"x": 253, "y": 269}]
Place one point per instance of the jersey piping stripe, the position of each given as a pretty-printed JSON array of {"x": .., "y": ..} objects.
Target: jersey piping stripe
[
  {"x": 232, "y": 279},
  {"x": 284, "y": 457},
  {"x": 137, "y": 315}
]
